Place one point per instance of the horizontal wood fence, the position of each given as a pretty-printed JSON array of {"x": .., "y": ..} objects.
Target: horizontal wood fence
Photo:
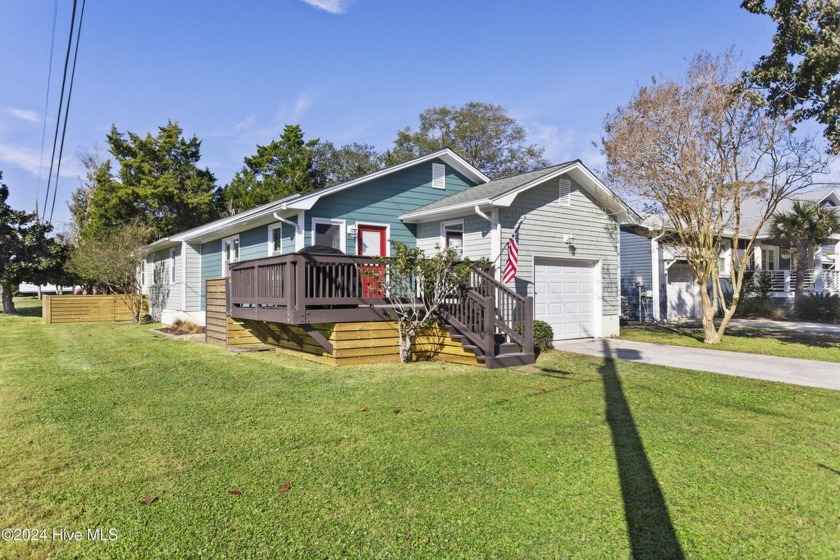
[{"x": 87, "y": 309}]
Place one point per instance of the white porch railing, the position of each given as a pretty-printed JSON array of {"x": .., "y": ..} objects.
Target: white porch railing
[
  {"x": 784, "y": 281},
  {"x": 831, "y": 281}
]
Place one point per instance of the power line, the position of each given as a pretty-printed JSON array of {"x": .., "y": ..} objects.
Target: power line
[
  {"x": 60, "y": 103},
  {"x": 46, "y": 108},
  {"x": 67, "y": 110}
]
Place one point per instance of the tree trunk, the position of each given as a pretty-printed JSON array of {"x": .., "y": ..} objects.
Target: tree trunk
[
  {"x": 801, "y": 265},
  {"x": 8, "y": 302},
  {"x": 710, "y": 334}
]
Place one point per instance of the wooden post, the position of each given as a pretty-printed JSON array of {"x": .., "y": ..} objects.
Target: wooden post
[
  {"x": 490, "y": 324},
  {"x": 300, "y": 289},
  {"x": 529, "y": 325}
]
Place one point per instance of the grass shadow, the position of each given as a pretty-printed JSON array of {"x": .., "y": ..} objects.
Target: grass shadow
[
  {"x": 27, "y": 308},
  {"x": 649, "y": 526}
]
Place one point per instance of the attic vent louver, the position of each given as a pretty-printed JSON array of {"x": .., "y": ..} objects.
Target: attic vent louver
[
  {"x": 565, "y": 192},
  {"x": 438, "y": 176}
]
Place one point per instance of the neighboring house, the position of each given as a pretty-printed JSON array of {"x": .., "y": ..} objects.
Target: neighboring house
[
  {"x": 568, "y": 257},
  {"x": 659, "y": 285}
]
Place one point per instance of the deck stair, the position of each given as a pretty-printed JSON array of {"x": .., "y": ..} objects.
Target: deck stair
[{"x": 492, "y": 321}]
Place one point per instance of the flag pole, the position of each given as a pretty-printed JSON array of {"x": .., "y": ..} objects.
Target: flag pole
[{"x": 516, "y": 227}]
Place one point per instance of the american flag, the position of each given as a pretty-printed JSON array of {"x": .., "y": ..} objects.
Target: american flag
[{"x": 513, "y": 257}]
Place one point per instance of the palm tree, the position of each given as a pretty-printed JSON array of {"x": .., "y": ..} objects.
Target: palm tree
[{"x": 806, "y": 225}]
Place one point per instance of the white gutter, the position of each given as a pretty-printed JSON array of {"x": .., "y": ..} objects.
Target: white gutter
[
  {"x": 495, "y": 235},
  {"x": 295, "y": 224}
]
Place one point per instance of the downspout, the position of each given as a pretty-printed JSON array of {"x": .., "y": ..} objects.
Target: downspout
[
  {"x": 495, "y": 235},
  {"x": 298, "y": 225}
]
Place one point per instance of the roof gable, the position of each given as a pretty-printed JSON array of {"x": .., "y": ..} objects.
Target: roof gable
[
  {"x": 502, "y": 193},
  {"x": 295, "y": 203}
]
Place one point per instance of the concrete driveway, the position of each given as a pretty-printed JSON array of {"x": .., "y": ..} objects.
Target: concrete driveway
[{"x": 809, "y": 373}]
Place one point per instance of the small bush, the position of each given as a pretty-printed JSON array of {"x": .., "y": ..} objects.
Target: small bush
[
  {"x": 756, "y": 307},
  {"x": 543, "y": 336},
  {"x": 822, "y": 308},
  {"x": 146, "y": 319},
  {"x": 188, "y": 327}
]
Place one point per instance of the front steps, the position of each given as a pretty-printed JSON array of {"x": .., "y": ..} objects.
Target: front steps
[{"x": 506, "y": 354}]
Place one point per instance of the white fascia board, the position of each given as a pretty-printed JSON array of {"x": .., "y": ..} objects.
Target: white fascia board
[
  {"x": 586, "y": 179},
  {"x": 306, "y": 202},
  {"x": 445, "y": 212},
  {"x": 233, "y": 223}
]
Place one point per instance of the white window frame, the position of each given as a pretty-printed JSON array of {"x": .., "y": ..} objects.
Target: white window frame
[
  {"x": 272, "y": 248},
  {"x": 439, "y": 170},
  {"x": 225, "y": 262},
  {"x": 375, "y": 224},
  {"x": 443, "y": 226},
  {"x": 331, "y": 221},
  {"x": 567, "y": 200},
  {"x": 772, "y": 252},
  {"x": 172, "y": 275}
]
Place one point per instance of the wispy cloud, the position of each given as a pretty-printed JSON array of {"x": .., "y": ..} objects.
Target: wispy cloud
[
  {"x": 302, "y": 105},
  {"x": 558, "y": 143},
  {"x": 23, "y": 114},
  {"x": 30, "y": 160},
  {"x": 331, "y": 6}
]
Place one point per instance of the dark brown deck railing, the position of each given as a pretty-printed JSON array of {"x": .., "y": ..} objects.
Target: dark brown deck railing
[
  {"x": 315, "y": 288},
  {"x": 486, "y": 308},
  {"x": 300, "y": 289}
]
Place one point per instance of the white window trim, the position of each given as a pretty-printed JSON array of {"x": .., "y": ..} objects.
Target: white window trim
[
  {"x": 375, "y": 224},
  {"x": 775, "y": 256},
  {"x": 436, "y": 167},
  {"x": 271, "y": 247},
  {"x": 443, "y": 232},
  {"x": 225, "y": 263},
  {"x": 172, "y": 274},
  {"x": 568, "y": 201},
  {"x": 341, "y": 223}
]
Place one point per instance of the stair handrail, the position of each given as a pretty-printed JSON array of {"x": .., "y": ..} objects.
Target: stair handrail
[{"x": 503, "y": 321}]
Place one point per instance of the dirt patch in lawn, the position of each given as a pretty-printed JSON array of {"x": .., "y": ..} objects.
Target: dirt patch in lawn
[{"x": 180, "y": 334}]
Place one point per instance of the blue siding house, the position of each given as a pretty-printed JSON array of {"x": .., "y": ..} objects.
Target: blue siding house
[{"x": 359, "y": 217}]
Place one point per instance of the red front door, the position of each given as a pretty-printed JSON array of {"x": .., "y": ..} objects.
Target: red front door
[{"x": 372, "y": 243}]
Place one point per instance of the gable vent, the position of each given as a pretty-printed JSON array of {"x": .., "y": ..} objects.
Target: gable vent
[
  {"x": 438, "y": 176},
  {"x": 565, "y": 192}
]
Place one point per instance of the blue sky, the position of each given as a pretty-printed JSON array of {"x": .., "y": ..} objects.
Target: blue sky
[{"x": 234, "y": 73}]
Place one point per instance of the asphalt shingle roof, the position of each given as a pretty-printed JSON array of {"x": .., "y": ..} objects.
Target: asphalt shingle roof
[{"x": 492, "y": 189}]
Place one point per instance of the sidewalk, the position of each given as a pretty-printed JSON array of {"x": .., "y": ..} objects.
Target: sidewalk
[{"x": 808, "y": 373}]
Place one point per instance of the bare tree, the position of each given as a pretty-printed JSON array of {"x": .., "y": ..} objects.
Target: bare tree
[
  {"x": 705, "y": 154},
  {"x": 115, "y": 261},
  {"x": 417, "y": 286}
]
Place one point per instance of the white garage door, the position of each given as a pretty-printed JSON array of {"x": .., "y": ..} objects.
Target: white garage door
[{"x": 564, "y": 297}]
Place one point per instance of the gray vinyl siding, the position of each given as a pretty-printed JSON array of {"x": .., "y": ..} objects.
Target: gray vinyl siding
[
  {"x": 428, "y": 236},
  {"x": 635, "y": 264},
  {"x": 476, "y": 236},
  {"x": 541, "y": 235},
  {"x": 192, "y": 254},
  {"x": 383, "y": 200},
  {"x": 211, "y": 265},
  {"x": 163, "y": 293}
]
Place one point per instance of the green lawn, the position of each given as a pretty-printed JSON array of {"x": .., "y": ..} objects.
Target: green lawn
[
  {"x": 573, "y": 457},
  {"x": 787, "y": 344}
]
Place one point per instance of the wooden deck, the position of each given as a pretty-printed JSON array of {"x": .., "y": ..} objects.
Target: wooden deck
[
  {"x": 299, "y": 291},
  {"x": 351, "y": 343}
]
